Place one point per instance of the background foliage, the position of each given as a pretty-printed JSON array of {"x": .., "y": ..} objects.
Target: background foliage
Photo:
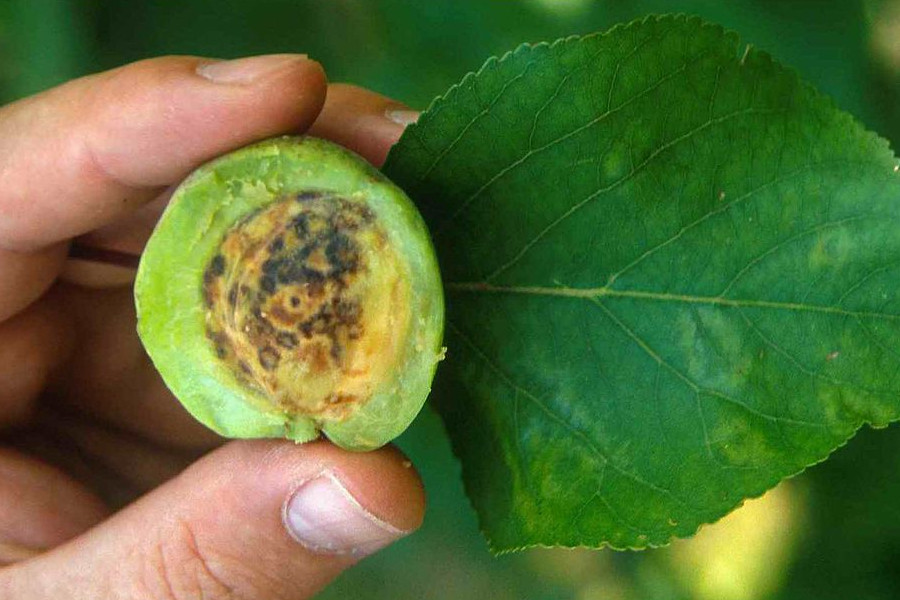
[{"x": 832, "y": 532}]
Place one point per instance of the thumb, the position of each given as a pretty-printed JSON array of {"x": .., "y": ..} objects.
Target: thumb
[{"x": 253, "y": 520}]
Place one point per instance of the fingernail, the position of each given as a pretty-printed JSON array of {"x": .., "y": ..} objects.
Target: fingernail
[
  {"x": 244, "y": 71},
  {"x": 324, "y": 517},
  {"x": 402, "y": 116}
]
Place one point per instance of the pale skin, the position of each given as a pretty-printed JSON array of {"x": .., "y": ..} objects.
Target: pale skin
[{"x": 108, "y": 488}]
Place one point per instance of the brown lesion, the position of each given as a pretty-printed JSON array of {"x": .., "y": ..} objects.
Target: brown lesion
[{"x": 297, "y": 279}]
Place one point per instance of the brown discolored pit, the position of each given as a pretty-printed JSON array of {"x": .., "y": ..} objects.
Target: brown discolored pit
[{"x": 306, "y": 301}]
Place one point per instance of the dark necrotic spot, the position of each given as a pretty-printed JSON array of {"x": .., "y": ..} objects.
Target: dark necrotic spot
[
  {"x": 347, "y": 223},
  {"x": 312, "y": 276},
  {"x": 261, "y": 324},
  {"x": 308, "y": 195},
  {"x": 346, "y": 310},
  {"x": 294, "y": 272},
  {"x": 302, "y": 253},
  {"x": 365, "y": 213},
  {"x": 209, "y": 297},
  {"x": 352, "y": 216},
  {"x": 245, "y": 367},
  {"x": 276, "y": 245},
  {"x": 232, "y": 296},
  {"x": 281, "y": 313},
  {"x": 267, "y": 284},
  {"x": 220, "y": 342},
  {"x": 217, "y": 266},
  {"x": 289, "y": 272},
  {"x": 300, "y": 225},
  {"x": 286, "y": 339},
  {"x": 295, "y": 301},
  {"x": 316, "y": 289},
  {"x": 323, "y": 320},
  {"x": 342, "y": 254},
  {"x": 268, "y": 358},
  {"x": 271, "y": 266},
  {"x": 215, "y": 269}
]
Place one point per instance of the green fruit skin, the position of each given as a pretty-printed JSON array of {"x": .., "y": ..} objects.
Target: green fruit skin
[{"x": 171, "y": 311}]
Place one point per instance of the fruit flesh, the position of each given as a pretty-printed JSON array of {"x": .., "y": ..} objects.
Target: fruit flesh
[
  {"x": 307, "y": 301},
  {"x": 290, "y": 288}
]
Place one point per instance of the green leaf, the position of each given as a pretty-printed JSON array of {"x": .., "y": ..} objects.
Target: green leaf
[{"x": 671, "y": 273}]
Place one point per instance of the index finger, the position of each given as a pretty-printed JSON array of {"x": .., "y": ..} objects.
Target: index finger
[{"x": 85, "y": 153}]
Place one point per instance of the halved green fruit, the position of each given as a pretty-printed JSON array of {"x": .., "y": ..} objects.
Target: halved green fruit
[{"x": 290, "y": 288}]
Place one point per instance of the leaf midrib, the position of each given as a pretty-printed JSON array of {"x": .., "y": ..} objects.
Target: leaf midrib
[{"x": 597, "y": 293}]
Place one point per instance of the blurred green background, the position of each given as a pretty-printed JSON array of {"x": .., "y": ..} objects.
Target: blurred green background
[{"x": 833, "y": 532}]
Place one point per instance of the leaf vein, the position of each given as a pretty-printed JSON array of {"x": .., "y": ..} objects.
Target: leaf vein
[
  {"x": 806, "y": 370},
  {"x": 552, "y": 143},
  {"x": 580, "y": 435},
  {"x": 864, "y": 279},
  {"x": 782, "y": 243},
  {"x": 725, "y": 208},
  {"x": 481, "y": 114},
  {"x": 607, "y": 292},
  {"x": 620, "y": 182}
]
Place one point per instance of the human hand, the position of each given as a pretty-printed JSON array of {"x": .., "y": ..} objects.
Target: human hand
[{"x": 84, "y": 171}]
